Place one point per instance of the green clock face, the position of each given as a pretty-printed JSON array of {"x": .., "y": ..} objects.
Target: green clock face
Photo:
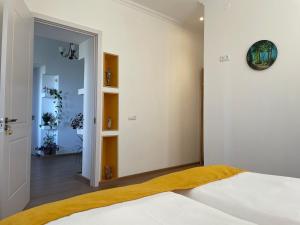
[{"x": 262, "y": 55}]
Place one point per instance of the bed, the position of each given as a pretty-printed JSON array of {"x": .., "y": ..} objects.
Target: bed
[
  {"x": 259, "y": 198},
  {"x": 213, "y": 195},
  {"x": 165, "y": 208},
  {"x": 110, "y": 200}
]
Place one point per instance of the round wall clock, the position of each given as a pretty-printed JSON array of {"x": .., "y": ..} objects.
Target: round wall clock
[{"x": 262, "y": 55}]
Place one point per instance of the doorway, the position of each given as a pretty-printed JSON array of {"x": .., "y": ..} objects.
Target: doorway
[
  {"x": 15, "y": 99},
  {"x": 63, "y": 112}
]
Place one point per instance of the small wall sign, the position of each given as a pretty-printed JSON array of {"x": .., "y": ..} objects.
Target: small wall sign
[{"x": 262, "y": 55}]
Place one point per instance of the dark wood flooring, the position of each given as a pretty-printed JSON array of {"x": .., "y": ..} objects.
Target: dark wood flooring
[{"x": 57, "y": 178}]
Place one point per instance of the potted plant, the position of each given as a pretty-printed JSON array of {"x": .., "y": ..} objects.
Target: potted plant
[
  {"x": 57, "y": 95},
  {"x": 77, "y": 121},
  {"x": 77, "y": 124},
  {"x": 47, "y": 118},
  {"x": 49, "y": 146}
]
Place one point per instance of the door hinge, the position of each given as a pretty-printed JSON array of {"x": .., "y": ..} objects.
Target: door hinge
[
  {"x": 95, "y": 120},
  {"x": 1, "y": 124}
]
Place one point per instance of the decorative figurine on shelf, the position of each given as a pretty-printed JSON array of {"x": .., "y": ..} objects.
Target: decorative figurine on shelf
[
  {"x": 109, "y": 123},
  {"x": 108, "y": 172},
  {"x": 108, "y": 75}
]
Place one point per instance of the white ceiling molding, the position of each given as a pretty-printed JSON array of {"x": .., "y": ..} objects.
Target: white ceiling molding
[{"x": 148, "y": 11}]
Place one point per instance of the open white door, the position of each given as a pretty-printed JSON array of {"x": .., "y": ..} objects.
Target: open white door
[{"x": 15, "y": 104}]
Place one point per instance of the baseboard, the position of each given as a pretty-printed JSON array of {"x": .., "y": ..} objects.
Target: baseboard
[
  {"x": 142, "y": 177},
  {"x": 162, "y": 170},
  {"x": 82, "y": 178}
]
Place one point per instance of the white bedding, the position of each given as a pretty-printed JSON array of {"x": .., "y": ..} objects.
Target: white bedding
[
  {"x": 262, "y": 199},
  {"x": 162, "y": 209}
]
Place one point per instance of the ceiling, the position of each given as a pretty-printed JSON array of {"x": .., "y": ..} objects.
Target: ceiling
[
  {"x": 59, "y": 34},
  {"x": 185, "y": 12}
]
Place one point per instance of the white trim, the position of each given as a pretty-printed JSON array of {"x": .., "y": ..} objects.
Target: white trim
[
  {"x": 96, "y": 157},
  {"x": 81, "y": 91},
  {"x": 51, "y": 21},
  {"x": 110, "y": 90},
  {"x": 149, "y": 11},
  {"x": 110, "y": 133},
  {"x": 97, "y": 36}
]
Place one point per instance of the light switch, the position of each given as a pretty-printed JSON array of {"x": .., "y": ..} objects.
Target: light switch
[{"x": 132, "y": 118}]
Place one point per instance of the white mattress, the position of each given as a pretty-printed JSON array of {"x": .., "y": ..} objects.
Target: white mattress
[
  {"x": 262, "y": 199},
  {"x": 162, "y": 209}
]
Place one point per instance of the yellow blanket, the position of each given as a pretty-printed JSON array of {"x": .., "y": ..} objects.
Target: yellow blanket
[{"x": 183, "y": 180}]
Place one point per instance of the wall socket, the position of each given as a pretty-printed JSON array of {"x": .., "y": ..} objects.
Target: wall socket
[{"x": 224, "y": 58}]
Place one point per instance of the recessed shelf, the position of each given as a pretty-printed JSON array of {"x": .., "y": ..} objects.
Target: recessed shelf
[
  {"x": 110, "y": 112},
  {"x": 110, "y": 118},
  {"x": 109, "y": 158},
  {"x": 111, "y": 70}
]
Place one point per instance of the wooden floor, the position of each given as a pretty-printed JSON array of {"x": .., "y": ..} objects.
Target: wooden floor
[{"x": 57, "y": 178}]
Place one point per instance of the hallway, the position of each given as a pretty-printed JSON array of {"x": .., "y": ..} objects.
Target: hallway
[{"x": 55, "y": 178}]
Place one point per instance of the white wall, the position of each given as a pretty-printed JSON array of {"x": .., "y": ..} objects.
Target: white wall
[
  {"x": 86, "y": 52},
  {"x": 1, "y": 23},
  {"x": 35, "y": 108},
  {"x": 252, "y": 118},
  {"x": 159, "y": 80},
  {"x": 71, "y": 78}
]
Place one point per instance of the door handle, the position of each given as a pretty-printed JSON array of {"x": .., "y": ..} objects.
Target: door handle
[
  {"x": 10, "y": 120},
  {"x": 7, "y": 127}
]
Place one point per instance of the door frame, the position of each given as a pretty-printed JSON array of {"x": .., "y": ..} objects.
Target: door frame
[
  {"x": 202, "y": 117},
  {"x": 97, "y": 36}
]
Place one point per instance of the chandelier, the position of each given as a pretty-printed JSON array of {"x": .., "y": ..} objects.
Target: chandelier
[{"x": 71, "y": 53}]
